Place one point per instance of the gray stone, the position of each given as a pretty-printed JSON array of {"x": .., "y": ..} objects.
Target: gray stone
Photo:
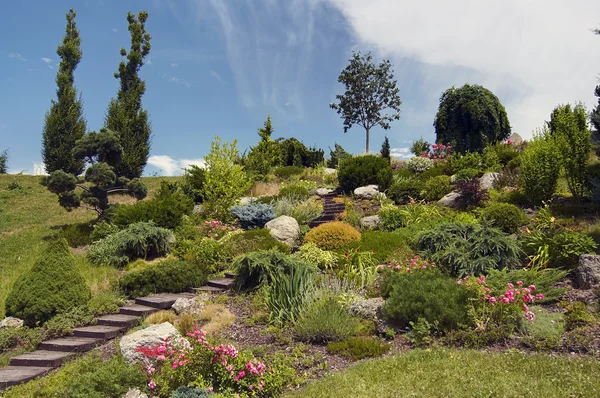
[
  {"x": 198, "y": 209},
  {"x": 149, "y": 337},
  {"x": 370, "y": 222},
  {"x": 285, "y": 229},
  {"x": 367, "y": 309},
  {"x": 451, "y": 200},
  {"x": 587, "y": 274},
  {"x": 324, "y": 191},
  {"x": 11, "y": 322},
  {"x": 487, "y": 180},
  {"x": 329, "y": 171},
  {"x": 191, "y": 306},
  {"x": 367, "y": 192},
  {"x": 134, "y": 393},
  {"x": 516, "y": 139}
]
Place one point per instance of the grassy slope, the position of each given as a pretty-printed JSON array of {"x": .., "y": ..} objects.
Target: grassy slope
[
  {"x": 465, "y": 374},
  {"x": 32, "y": 214}
]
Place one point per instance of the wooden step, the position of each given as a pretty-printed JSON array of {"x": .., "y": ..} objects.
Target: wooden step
[
  {"x": 160, "y": 301},
  {"x": 137, "y": 310},
  {"x": 13, "y": 375},
  {"x": 120, "y": 320},
  {"x": 222, "y": 283},
  {"x": 229, "y": 275},
  {"x": 98, "y": 331},
  {"x": 41, "y": 358},
  {"x": 70, "y": 344},
  {"x": 206, "y": 289}
]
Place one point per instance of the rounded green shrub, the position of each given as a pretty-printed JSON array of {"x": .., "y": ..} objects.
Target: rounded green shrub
[
  {"x": 332, "y": 235},
  {"x": 250, "y": 241},
  {"x": 53, "y": 285},
  {"x": 325, "y": 320},
  {"x": 466, "y": 174},
  {"x": 432, "y": 172},
  {"x": 403, "y": 190},
  {"x": 436, "y": 188},
  {"x": 287, "y": 172},
  {"x": 297, "y": 190},
  {"x": 364, "y": 170},
  {"x": 471, "y": 160},
  {"x": 540, "y": 169},
  {"x": 504, "y": 216}
]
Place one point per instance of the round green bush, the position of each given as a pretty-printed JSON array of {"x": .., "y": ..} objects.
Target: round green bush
[
  {"x": 403, "y": 190},
  {"x": 436, "y": 188},
  {"x": 504, "y": 216},
  {"x": 364, "y": 170},
  {"x": 287, "y": 172},
  {"x": 53, "y": 285},
  {"x": 332, "y": 235},
  {"x": 251, "y": 241},
  {"x": 433, "y": 172},
  {"x": 466, "y": 174}
]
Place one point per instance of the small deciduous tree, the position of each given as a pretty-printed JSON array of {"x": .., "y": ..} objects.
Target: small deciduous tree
[
  {"x": 225, "y": 181},
  {"x": 4, "y": 162},
  {"x": 386, "y": 150},
  {"x": 569, "y": 128},
  {"x": 420, "y": 147},
  {"x": 470, "y": 118},
  {"x": 370, "y": 91},
  {"x": 65, "y": 123},
  {"x": 125, "y": 114},
  {"x": 540, "y": 168}
]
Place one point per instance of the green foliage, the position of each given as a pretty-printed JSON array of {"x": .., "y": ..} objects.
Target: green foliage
[
  {"x": 569, "y": 128},
  {"x": 311, "y": 254},
  {"x": 62, "y": 324},
  {"x": 139, "y": 240},
  {"x": 102, "y": 230},
  {"x": 290, "y": 284},
  {"x": 385, "y": 149},
  {"x": 51, "y": 286},
  {"x": 332, "y": 235},
  {"x": 261, "y": 267},
  {"x": 25, "y": 337},
  {"x": 358, "y": 268},
  {"x": 287, "y": 172},
  {"x": 266, "y": 155},
  {"x": 4, "y": 162},
  {"x": 337, "y": 155},
  {"x": 254, "y": 215},
  {"x": 297, "y": 190},
  {"x": 106, "y": 302},
  {"x": 78, "y": 235},
  {"x": 470, "y": 117},
  {"x": 419, "y": 164},
  {"x": 295, "y": 153},
  {"x": 466, "y": 174},
  {"x": 191, "y": 392},
  {"x": 370, "y": 91},
  {"x": 556, "y": 247},
  {"x": 169, "y": 276},
  {"x": 392, "y": 217},
  {"x": 64, "y": 123},
  {"x": 595, "y": 113},
  {"x": 425, "y": 294},
  {"x": 194, "y": 180},
  {"x": 468, "y": 249},
  {"x": 577, "y": 316},
  {"x": 364, "y": 170},
  {"x": 208, "y": 253},
  {"x": 406, "y": 189},
  {"x": 125, "y": 114},
  {"x": 504, "y": 216},
  {"x": 435, "y": 171},
  {"x": 382, "y": 244},
  {"x": 419, "y": 147},
  {"x": 226, "y": 181},
  {"x": 357, "y": 348},
  {"x": 542, "y": 279},
  {"x": 540, "y": 168},
  {"x": 324, "y": 320},
  {"x": 91, "y": 376},
  {"x": 304, "y": 212},
  {"x": 251, "y": 241},
  {"x": 436, "y": 188}
]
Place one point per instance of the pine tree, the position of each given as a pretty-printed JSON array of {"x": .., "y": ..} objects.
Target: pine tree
[
  {"x": 385, "y": 150},
  {"x": 64, "y": 121},
  {"x": 595, "y": 114},
  {"x": 125, "y": 114}
]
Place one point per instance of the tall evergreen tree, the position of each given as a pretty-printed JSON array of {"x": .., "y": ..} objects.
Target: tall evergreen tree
[
  {"x": 4, "y": 162},
  {"x": 64, "y": 121},
  {"x": 386, "y": 150},
  {"x": 125, "y": 114}
]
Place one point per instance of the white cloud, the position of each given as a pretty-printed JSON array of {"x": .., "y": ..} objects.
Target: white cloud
[
  {"x": 115, "y": 30},
  {"x": 401, "y": 153},
  {"x": 533, "y": 54},
  {"x": 16, "y": 56},
  {"x": 47, "y": 60},
  {"x": 216, "y": 76},
  {"x": 170, "y": 166},
  {"x": 174, "y": 65},
  {"x": 176, "y": 80}
]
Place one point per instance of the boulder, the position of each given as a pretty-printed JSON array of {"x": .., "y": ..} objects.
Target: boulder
[
  {"x": 367, "y": 192},
  {"x": 487, "y": 180},
  {"x": 451, "y": 200},
  {"x": 329, "y": 171},
  {"x": 11, "y": 322},
  {"x": 191, "y": 306},
  {"x": 324, "y": 191},
  {"x": 135, "y": 393},
  {"x": 149, "y": 337},
  {"x": 587, "y": 273},
  {"x": 285, "y": 229},
  {"x": 370, "y": 222}
]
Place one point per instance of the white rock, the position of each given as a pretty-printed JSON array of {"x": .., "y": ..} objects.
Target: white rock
[
  {"x": 191, "y": 306},
  {"x": 368, "y": 192},
  {"x": 329, "y": 171},
  {"x": 324, "y": 191},
  {"x": 285, "y": 229},
  {"x": 451, "y": 200},
  {"x": 587, "y": 273},
  {"x": 135, "y": 393},
  {"x": 370, "y": 222},
  {"x": 487, "y": 180},
  {"x": 11, "y": 322},
  {"x": 149, "y": 337}
]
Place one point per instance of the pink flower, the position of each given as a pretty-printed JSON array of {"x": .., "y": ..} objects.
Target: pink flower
[
  {"x": 162, "y": 349},
  {"x": 493, "y": 300},
  {"x": 459, "y": 282},
  {"x": 510, "y": 285},
  {"x": 532, "y": 288},
  {"x": 160, "y": 358},
  {"x": 520, "y": 283},
  {"x": 251, "y": 387},
  {"x": 209, "y": 389},
  {"x": 242, "y": 374},
  {"x": 539, "y": 296},
  {"x": 151, "y": 385}
]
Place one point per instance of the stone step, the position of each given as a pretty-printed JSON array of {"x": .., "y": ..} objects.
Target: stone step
[
  {"x": 160, "y": 301},
  {"x": 229, "y": 275},
  {"x": 13, "y": 375},
  {"x": 120, "y": 320},
  {"x": 41, "y": 358},
  {"x": 70, "y": 344},
  {"x": 222, "y": 283},
  {"x": 98, "y": 332},
  {"x": 137, "y": 310},
  {"x": 206, "y": 289}
]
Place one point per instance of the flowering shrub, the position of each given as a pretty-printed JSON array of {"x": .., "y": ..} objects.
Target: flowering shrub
[
  {"x": 219, "y": 368},
  {"x": 419, "y": 164},
  {"x": 401, "y": 262},
  {"x": 215, "y": 229},
  {"x": 438, "y": 152}
]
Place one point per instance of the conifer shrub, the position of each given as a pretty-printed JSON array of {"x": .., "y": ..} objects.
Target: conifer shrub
[
  {"x": 436, "y": 188},
  {"x": 404, "y": 190},
  {"x": 191, "y": 392},
  {"x": 504, "y": 216},
  {"x": 254, "y": 215},
  {"x": 466, "y": 175},
  {"x": 332, "y": 235},
  {"x": 364, "y": 170},
  {"x": 51, "y": 286}
]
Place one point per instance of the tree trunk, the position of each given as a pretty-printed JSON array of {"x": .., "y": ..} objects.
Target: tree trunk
[{"x": 367, "y": 144}]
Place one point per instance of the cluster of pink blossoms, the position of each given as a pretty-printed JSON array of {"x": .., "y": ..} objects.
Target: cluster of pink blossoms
[
  {"x": 438, "y": 152},
  {"x": 511, "y": 295},
  {"x": 215, "y": 229},
  {"x": 406, "y": 264}
]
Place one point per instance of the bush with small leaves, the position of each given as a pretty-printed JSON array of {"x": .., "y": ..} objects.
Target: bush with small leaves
[
  {"x": 466, "y": 175},
  {"x": 287, "y": 172},
  {"x": 332, "y": 235},
  {"x": 419, "y": 164},
  {"x": 540, "y": 168},
  {"x": 364, "y": 170},
  {"x": 254, "y": 215},
  {"x": 102, "y": 230},
  {"x": 297, "y": 190},
  {"x": 311, "y": 254},
  {"x": 471, "y": 160},
  {"x": 436, "y": 188},
  {"x": 504, "y": 216},
  {"x": 325, "y": 319},
  {"x": 357, "y": 348},
  {"x": 406, "y": 189},
  {"x": 242, "y": 242}
]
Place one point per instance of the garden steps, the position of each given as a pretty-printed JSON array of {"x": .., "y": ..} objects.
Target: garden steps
[
  {"x": 41, "y": 358},
  {"x": 121, "y": 320},
  {"x": 70, "y": 344},
  {"x": 206, "y": 289},
  {"x": 161, "y": 301},
  {"x": 221, "y": 283},
  {"x": 137, "y": 310},
  {"x": 330, "y": 210},
  {"x": 13, "y": 375},
  {"x": 102, "y": 332}
]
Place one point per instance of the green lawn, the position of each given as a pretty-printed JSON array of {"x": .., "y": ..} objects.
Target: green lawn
[
  {"x": 465, "y": 374},
  {"x": 31, "y": 214}
]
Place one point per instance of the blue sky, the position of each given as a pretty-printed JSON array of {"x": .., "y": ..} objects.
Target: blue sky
[{"x": 219, "y": 67}]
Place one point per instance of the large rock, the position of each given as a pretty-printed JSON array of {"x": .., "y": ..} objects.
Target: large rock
[
  {"x": 367, "y": 192},
  {"x": 370, "y": 222},
  {"x": 191, "y": 306},
  {"x": 516, "y": 139},
  {"x": 149, "y": 337},
  {"x": 11, "y": 322},
  {"x": 487, "y": 180},
  {"x": 135, "y": 393},
  {"x": 285, "y": 229},
  {"x": 329, "y": 171},
  {"x": 451, "y": 200},
  {"x": 324, "y": 191},
  {"x": 587, "y": 274}
]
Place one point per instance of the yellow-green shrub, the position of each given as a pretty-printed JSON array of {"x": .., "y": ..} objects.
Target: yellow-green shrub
[{"x": 332, "y": 235}]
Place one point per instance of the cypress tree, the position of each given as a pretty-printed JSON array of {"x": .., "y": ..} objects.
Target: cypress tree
[
  {"x": 125, "y": 114},
  {"x": 64, "y": 121},
  {"x": 386, "y": 150}
]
